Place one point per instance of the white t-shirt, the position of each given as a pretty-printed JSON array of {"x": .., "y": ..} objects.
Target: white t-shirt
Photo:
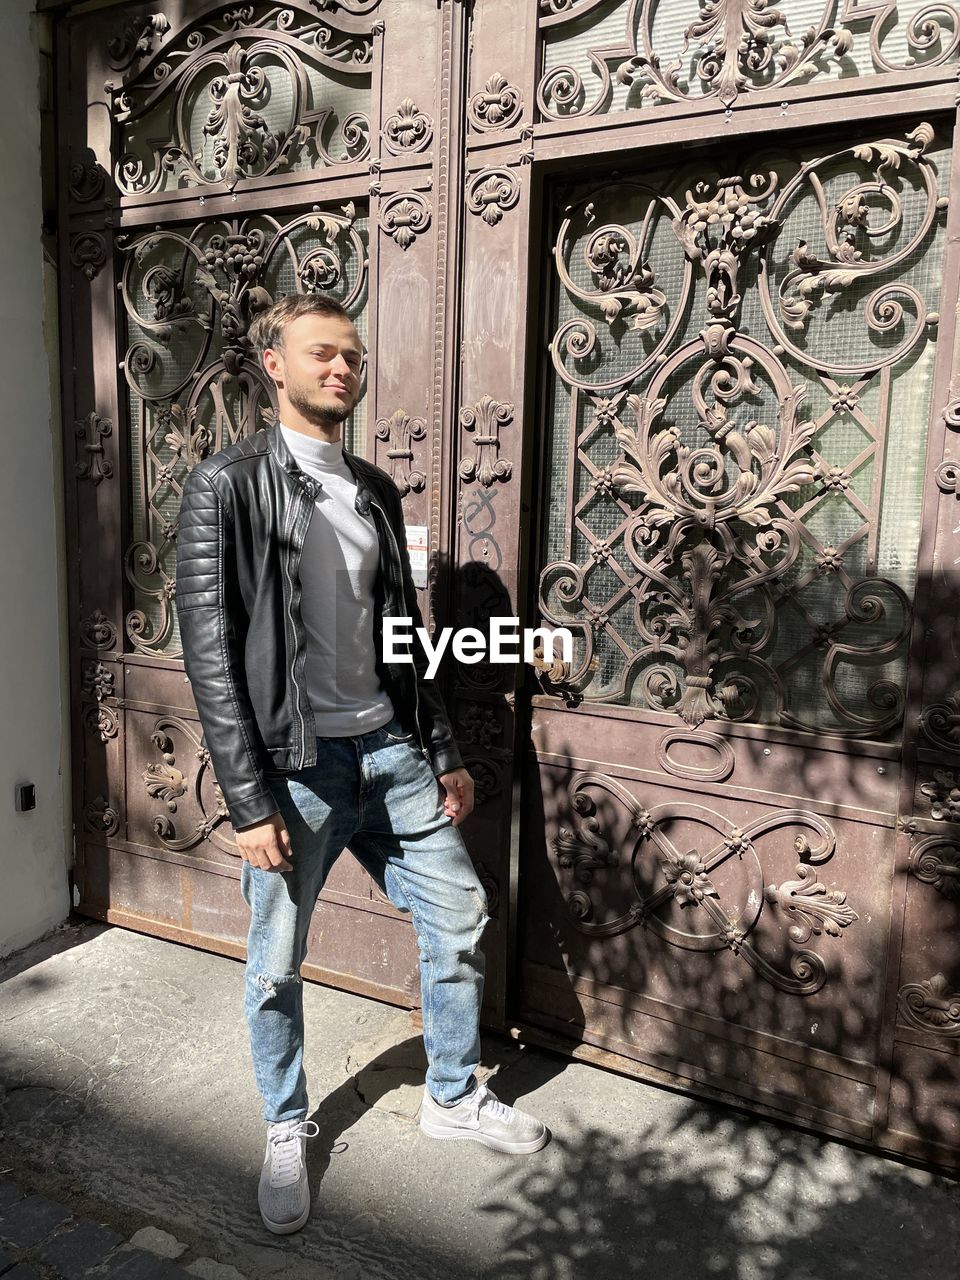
[{"x": 338, "y": 569}]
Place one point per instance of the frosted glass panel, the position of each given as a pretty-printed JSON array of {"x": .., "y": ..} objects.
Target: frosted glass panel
[{"x": 738, "y": 407}]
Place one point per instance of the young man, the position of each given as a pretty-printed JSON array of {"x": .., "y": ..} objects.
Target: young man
[{"x": 291, "y": 550}]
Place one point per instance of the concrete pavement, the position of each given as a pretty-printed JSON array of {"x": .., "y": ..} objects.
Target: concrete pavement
[{"x": 127, "y": 1100}]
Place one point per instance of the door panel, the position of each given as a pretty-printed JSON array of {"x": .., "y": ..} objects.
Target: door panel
[
  {"x": 733, "y": 462},
  {"x": 216, "y": 157},
  {"x": 707, "y": 926}
]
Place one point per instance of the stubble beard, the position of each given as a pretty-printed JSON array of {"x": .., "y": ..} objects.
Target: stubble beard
[{"x": 319, "y": 415}]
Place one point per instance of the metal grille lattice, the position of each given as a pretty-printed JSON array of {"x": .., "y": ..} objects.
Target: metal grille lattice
[{"x": 742, "y": 383}]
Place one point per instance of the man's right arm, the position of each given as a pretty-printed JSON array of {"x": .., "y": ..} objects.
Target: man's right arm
[{"x": 212, "y": 621}]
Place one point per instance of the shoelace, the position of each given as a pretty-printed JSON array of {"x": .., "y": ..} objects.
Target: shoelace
[
  {"x": 486, "y": 1101},
  {"x": 285, "y": 1152}
]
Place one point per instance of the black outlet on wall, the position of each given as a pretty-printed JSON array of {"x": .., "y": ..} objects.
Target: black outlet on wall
[{"x": 26, "y": 796}]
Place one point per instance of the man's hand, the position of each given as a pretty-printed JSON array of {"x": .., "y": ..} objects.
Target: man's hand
[
  {"x": 266, "y": 845},
  {"x": 458, "y": 797}
]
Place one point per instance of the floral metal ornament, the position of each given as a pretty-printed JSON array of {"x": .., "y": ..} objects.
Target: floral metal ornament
[
  {"x": 698, "y": 471},
  {"x": 408, "y": 130},
  {"x": 98, "y": 680},
  {"x": 656, "y": 876},
  {"x": 932, "y": 1005},
  {"x": 136, "y": 39},
  {"x": 190, "y": 295},
  {"x": 486, "y": 419},
  {"x": 727, "y": 49},
  {"x": 497, "y": 106},
  {"x": 400, "y": 432},
  {"x": 102, "y": 720},
  {"x": 169, "y": 783},
  {"x": 88, "y": 252},
  {"x": 87, "y": 178},
  {"x": 492, "y": 192},
  {"x": 937, "y": 862},
  {"x": 92, "y": 463},
  {"x": 478, "y": 724},
  {"x": 239, "y": 61},
  {"x": 721, "y": 226},
  {"x": 97, "y": 631},
  {"x": 100, "y": 817},
  {"x": 163, "y": 780},
  {"x": 404, "y": 217},
  {"x": 687, "y": 876},
  {"x": 816, "y": 908},
  {"x": 944, "y": 796}
]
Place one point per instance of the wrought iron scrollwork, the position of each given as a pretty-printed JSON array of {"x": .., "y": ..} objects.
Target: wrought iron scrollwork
[
  {"x": 244, "y": 61},
  {"x": 165, "y": 780},
  {"x": 664, "y": 875},
  {"x": 100, "y": 817},
  {"x": 727, "y": 48},
  {"x": 701, "y": 479},
  {"x": 190, "y": 296}
]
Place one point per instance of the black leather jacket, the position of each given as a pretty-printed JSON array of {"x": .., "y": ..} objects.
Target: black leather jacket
[{"x": 243, "y": 520}]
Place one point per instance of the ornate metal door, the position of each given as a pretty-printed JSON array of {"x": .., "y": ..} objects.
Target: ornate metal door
[
  {"x": 661, "y": 308},
  {"x": 216, "y": 156},
  {"x": 735, "y": 864}
]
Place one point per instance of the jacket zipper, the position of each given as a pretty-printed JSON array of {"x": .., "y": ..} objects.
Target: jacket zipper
[
  {"x": 296, "y": 643},
  {"x": 416, "y": 690}
]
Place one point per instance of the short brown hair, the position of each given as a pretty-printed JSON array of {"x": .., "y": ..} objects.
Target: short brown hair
[{"x": 267, "y": 328}]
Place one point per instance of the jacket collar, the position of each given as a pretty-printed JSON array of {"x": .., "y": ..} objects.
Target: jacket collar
[{"x": 358, "y": 466}]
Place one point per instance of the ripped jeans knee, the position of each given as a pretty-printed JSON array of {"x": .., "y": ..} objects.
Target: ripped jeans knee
[
  {"x": 270, "y": 984},
  {"x": 482, "y": 916}
]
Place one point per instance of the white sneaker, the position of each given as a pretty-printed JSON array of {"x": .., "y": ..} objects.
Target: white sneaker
[
  {"x": 284, "y": 1192},
  {"x": 482, "y": 1117}
]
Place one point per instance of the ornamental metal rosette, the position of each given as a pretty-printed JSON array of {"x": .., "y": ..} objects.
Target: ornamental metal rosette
[
  {"x": 243, "y": 93},
  {"x": 936, "y": 861},
  {"x": 932, "y": 1006},
  {"x": 687, "y": 896},
  {"x": 711, "y": 511},
  {"x": 689, "y": 50},
  {"x": 189, "y": 297}
]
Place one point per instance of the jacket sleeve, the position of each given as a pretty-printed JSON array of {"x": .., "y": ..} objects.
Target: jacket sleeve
[
  {"x": 212, "y": 626},
  {"x": 438, "y": 734}
]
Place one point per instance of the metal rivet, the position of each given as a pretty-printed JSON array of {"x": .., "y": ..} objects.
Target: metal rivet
[
  {"x": 766, "y": 751},
  {"x": 881, "y": 769}
]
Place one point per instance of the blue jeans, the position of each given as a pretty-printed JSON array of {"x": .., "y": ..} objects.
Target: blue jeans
[{"x": 376, "y": 793}]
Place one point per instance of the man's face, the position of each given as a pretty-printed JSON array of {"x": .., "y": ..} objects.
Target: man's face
[{"x": 318, "y": 368}]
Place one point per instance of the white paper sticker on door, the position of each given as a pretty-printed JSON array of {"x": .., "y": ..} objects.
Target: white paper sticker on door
[{"x": 417, "y": 549}]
